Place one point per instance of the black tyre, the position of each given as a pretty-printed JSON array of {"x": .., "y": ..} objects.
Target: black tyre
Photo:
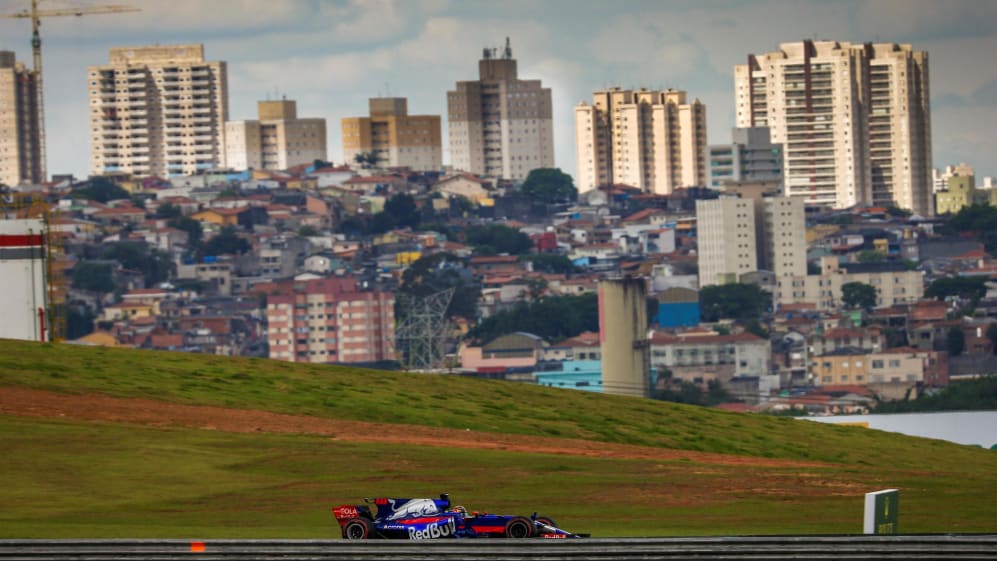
[
  {"x": 519, "y": 527},
  {"x": 358, "y": 529},
  {"x": 547, "y": 521}
]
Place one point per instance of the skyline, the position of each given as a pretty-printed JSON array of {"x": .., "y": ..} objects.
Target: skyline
[{"x": 331, "y": 56}]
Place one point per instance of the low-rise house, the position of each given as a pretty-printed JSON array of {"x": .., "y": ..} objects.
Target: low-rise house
[
  {"x": 699, "y": 358},
  {"x": 515, "y": 351},
  {"x": 584, "y": 346}
]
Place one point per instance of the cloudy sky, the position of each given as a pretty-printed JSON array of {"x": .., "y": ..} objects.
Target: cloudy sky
[{"x": 331, "y": 55}]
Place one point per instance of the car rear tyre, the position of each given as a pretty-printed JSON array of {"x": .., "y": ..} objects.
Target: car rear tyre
[
  {"x": 519, "y": 527},
  {"x": 358, "y": 529}
]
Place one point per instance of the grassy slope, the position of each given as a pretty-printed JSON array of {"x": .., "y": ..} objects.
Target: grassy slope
[{"x": 72, "y": 479}]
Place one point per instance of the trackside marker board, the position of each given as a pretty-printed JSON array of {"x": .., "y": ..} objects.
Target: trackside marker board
[{"x": 882, "y": 509}]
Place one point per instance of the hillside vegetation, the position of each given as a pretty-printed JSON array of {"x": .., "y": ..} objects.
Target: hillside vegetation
[{"x": 68, "y": 477}]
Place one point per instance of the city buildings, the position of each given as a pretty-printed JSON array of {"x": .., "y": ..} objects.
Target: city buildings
[
  {"x": 750, "y": 156},
  {"x": 894, "y": 284},
  {"x": 157, "y": 110},
  {"x": 500, "y": 126},
  {"x": 653, "y": 140},
  {"x": 393, "y": 137},
  {"x": 329, "y": 320},
  {"x": 20, "y": 147},
  {"x": 277, "y": 140},
  {"x": 854, "y": 120}
]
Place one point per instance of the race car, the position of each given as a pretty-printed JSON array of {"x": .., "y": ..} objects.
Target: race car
[{"x": 420, "y": 519}]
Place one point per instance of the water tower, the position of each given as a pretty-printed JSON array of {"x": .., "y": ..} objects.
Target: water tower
[{"x": 623, "y": 331}]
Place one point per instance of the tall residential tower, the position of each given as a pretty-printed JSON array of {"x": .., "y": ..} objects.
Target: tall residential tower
[
  {"x": 499, "y": 125},
  {"x": 278, "y": 139},
  {"x": 157, "y": 110},
  {"x": 854, "y": 120},
  {"x": 653, "y": 140},
  {"x": 395, "y": 138},
  {"x": 20, "y": 156}
]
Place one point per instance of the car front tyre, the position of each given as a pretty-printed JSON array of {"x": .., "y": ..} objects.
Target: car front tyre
[{"x": 519, "y": 527}]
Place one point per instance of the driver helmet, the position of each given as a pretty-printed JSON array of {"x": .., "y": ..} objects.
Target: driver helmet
[{"x": 460, "y": 510}]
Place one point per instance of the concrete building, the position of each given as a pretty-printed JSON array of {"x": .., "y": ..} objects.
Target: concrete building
[
  {"x": 750, "y": 229},
  {"x": 157, "y": 110},
  {"x": 499, "y": 125},
  {"x": 854, "y": 120},
  {"x": 699, "y": 358},
  {"x": 20, "y": 146},
  {"x": 329, "y": 320},
  {"x": 276, "y": 140},
  {"x": 653, "y": 140},
  {"x": 727, "y": 244},
  {"x": 750, "y": 156},
  {"x": 893, "y": 286},
  {"x": 395, "y": 138}
]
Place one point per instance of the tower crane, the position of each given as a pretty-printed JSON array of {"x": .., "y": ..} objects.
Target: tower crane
[{"x": 36, "y": 52}]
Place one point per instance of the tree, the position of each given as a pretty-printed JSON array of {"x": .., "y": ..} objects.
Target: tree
[
  {"x": 553, "y": 318},
  {"x": 365, "y": 159},
  {"x": 93, "y": 276},
  {"x": 955, "y": 341},
  {"x": 226, "y": 241},
  {"x": 858, "y": 295},
  {"x": 434, "y": 273},
  {"x": 742, "y": 302},
  {"x": 155, "y": 266},
  {"x": 168, "y": 210},
  {"x": 498, "y": 238},
  {"x": 193, "y": 228},
  {"x": 871, "y": 256},
  {"x": 307, "y": 231},
  {"x": 549, "y": 263},
  {"x": 969, "y": 288},
  {"x": 403, "y": 210},
  {"x": 549, "y": 185},
  {"x": 100, "y": 189}
]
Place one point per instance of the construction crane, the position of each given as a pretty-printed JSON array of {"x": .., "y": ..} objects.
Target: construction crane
[{"x": 36, "y": 52}]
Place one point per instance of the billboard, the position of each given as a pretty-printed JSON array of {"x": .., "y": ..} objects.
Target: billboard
[{"x": 24, "y": 306}]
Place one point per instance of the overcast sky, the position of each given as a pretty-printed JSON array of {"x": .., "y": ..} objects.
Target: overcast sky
[{"x": 331, "y": 56}]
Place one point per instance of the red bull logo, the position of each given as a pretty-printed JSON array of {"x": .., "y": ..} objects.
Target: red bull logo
[{"x": 433, "y": 531}]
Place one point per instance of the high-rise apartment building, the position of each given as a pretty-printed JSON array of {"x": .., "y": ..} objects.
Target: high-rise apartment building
[
  {"x": 20, "y": 147},
  {"x": 653, "y": 140},
  {"x": 854, "y": 120},
  {"x": 395, "y": 138},
  {"x": 751, "y": 227},
  {"x": 329, "y": 320},
  {"x": 499, "y": 125},
  {"x": 750, "y": 156},
  {"x": 157, "y": 110},
  {"x": 726, "y": 240},
  {"x": 278, "y": 139}
]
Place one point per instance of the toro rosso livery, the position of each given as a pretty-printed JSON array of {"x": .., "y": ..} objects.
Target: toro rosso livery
[{"x": 422, "y": 519}]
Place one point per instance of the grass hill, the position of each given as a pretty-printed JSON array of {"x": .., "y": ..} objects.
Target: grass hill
[{"x": 607, "y": 465}]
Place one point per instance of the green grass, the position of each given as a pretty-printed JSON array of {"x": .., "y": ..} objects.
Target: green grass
[{"x": 65, "y": 478}]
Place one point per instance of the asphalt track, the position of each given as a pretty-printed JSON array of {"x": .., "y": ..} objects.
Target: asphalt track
[{"x": 854, "y": 547}]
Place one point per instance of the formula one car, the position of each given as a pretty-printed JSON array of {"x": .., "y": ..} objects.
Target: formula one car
[{"x": 420, "y": 519}]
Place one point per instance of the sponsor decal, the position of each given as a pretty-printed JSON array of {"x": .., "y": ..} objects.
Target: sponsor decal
[
  {"x": 346, "y": 512},
  {"x": 412, "y": 507},
  {"x": 433, "y": 531}
]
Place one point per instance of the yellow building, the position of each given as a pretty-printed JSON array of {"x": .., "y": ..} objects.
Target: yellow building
[
  {"x": 395, "y": 138},
  {"x": 840, "y": 368},
  {"x": 959, "y": 192}
]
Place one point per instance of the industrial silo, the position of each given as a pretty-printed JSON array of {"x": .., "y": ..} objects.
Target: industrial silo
[{"x": 623, "y": 329}]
